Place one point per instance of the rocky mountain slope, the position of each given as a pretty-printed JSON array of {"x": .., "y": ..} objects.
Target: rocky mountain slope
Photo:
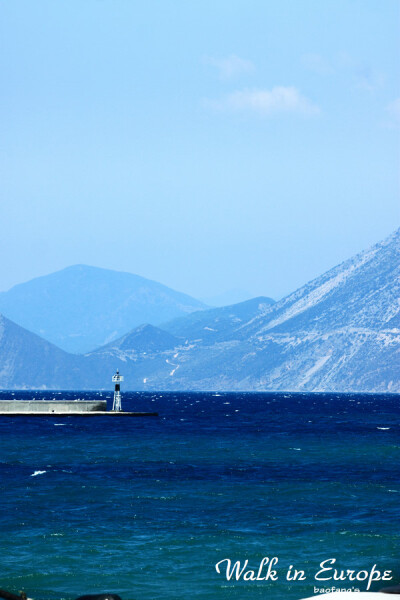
[
  {"x": 81, "y": 307},
  {"x": 28, "y": 361},
  {"x": 218, "y": 323},
  {"x": 342, "y": 329},
  {"x": 340, "y": 332}
]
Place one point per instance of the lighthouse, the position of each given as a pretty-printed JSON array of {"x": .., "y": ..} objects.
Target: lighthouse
[{"x": 117, "y": 378}]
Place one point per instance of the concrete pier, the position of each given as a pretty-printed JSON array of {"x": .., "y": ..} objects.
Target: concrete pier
[
  {"x": 63, "y": 408},
  {"x": 51, "y": 406}
]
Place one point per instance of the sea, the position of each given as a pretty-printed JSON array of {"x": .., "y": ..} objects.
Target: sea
[{"x": 147, "y": 507}]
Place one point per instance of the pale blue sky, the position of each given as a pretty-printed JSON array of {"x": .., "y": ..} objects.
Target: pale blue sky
[{"x": 207, "y": 145}]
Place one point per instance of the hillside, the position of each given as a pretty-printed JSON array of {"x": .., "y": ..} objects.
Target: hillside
[
  {"x": 340, "y": 332},
  {"x": 81, "y": 307},
  {"x": 28, "y": 361},
  {"x": 218, "y": 323}
]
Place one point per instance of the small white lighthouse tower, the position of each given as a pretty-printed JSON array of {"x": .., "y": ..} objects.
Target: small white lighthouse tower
[{"x": 117, "y": 378}]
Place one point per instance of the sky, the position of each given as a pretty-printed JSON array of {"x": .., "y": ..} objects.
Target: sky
[{"x": 207, "y": 145}]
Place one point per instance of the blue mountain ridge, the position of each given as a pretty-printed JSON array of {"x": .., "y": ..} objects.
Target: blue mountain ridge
[
  {"x": 340, "y": 332},
  {"x": 81, "y": 307}
]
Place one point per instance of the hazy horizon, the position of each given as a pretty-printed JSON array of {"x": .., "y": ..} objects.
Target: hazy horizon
[
  {"x": 231, "y": 146},
  {"x": 230, "y": 296}
]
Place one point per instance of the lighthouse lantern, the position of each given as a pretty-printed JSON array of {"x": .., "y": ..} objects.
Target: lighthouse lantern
[{"x": 117, "y": 378}]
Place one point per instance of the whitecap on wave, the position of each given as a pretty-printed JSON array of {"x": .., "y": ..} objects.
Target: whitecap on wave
[{"x": 38, "y": 473}]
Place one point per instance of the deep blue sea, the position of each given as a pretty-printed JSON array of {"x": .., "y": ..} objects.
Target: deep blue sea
[{"x": 145, "y": 507}]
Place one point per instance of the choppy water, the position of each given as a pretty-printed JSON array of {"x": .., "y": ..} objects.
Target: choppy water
[{"x": 146, "y": 507}]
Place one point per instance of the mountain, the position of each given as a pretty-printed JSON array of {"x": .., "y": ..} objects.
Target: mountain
[
  {"x": 217, "y": 323},
  {"x": 362, "y": 292},
  {"x": 339, "y": 332},
  {"x": 145, "y": 338},
  {"x": 81, "y": 307},
  {"x": 28, "y": 361},
  {"x": 148, "y": 354}
]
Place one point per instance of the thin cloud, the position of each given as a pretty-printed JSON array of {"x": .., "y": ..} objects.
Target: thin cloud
[
  {"x": 231, "y": 66},
  {"x": 365, "y": 77},
  {"x": 369, "y": 80},
  {"x": 266, "y": 102},
  {"x": 393, "y": 109}
]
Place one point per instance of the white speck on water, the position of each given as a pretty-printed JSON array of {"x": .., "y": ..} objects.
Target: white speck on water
[{"x": 38, "y": 473}]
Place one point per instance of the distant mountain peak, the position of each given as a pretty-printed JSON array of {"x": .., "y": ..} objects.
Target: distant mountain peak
[
  {"x": 340, "y": 332},
  {"x": 82, "y": 307},
  {"x": 143, "y": 339}
]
